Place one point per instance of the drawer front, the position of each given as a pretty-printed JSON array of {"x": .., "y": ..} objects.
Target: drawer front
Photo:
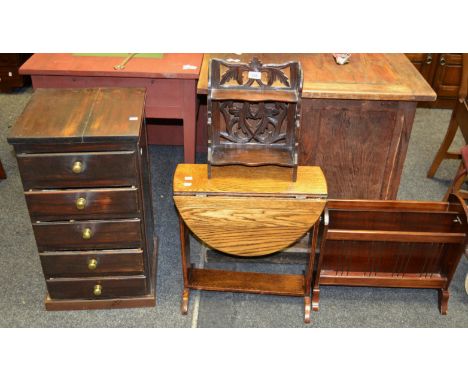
[
  {"x": 92, "y": 263},
  {"x": 88, "y": 234},
  {"x": 96, "y": 287},
  {"x": 67, "y": 170},
  {"x": 83, "y": 204}
]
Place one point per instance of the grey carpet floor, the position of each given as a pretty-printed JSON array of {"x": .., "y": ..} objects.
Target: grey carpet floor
[{"x": 23, "y": 287}]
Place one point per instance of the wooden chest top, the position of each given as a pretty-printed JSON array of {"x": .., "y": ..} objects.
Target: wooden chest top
[
  {"x": 376, "y": 76},
  {"x": 80, "y": 115},
  {"x": 192, "y": 179}
]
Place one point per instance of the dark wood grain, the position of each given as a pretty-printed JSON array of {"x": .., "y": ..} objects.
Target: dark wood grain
[
  {"x": 100, "y": 169},
  {"x": 9, "y": 71},
  {"x": 82, "y": 288},
  {"x": 99, "y": 204},
  {"x": 88, "y": 192},
  {"x": 392, "y": 246},
  {"x": 442, "y": 71},
  {"x": 360, "y": 145},
  {"x": 447, "y": 77},
  {"x": 371, "y": 106},
  {"x": 382, "y": 280},
  {"x": 137, "y": 301},
  {"x": 76, "y": 263},
  {"x": 106, "y": 234},
  {"x": 369, "y": 76},
  {"x": 425, "y": 63},
  {"x": 146, "y": 301},
  {"x": 146, "y": 203},
  {"x": 80, "y": 115},
  {"x": 254, "y": 112},
  {"x": 394, "y": 220},
  {"x": 227, "y": 281},
  {"x": 55, "y": 147},
  {"x": 52, "y": 114},
  {"x": 458, "y": 122},
  {"x": 116, "y": 114}
]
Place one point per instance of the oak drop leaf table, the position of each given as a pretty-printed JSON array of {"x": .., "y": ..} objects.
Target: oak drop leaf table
[{"x": 246, "y": 212}]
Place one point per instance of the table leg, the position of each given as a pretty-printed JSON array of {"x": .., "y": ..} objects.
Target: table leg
[
  {"x": 307, "y": 306},
  {"x": 443, "y": 300},
  {"x": 185, "y": 253},
  {"x": 316, "y": 281},
  {"x": 190, "y": 123},
  {"x": 185, "y": 301},
  {"x": 309, "y": 271}
]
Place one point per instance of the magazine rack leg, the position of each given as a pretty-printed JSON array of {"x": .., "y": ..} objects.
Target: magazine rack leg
[{"x": 443, "y": 300}]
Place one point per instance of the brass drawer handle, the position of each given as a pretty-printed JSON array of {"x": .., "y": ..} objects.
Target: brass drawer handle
[
  {"x": 442, "y": 60},
  {"x": 97, "y": 290},
  {"x": 77, "y": 167},
  {"x": 92, "y": 264},
  {"x": 86, "y": 234},
  {"x": 80, "y": 203},
  {"x": 429, "y": 59}
]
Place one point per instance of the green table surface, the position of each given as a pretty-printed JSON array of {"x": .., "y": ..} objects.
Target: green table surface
[{"x": 137, "y": 55}]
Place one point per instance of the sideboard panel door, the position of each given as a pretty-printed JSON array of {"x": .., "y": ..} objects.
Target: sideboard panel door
[{"x": 360, "y": 145}]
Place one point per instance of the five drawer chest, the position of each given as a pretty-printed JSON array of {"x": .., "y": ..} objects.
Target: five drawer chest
[{"x": 83, "y": 160}]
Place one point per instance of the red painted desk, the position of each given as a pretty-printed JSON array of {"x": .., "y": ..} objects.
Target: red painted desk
[{"x": 171, "y": 89}]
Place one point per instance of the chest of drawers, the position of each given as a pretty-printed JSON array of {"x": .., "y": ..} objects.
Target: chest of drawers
[{"x": 83, "y": 160}]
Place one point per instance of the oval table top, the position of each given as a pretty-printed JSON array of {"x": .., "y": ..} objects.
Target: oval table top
[{"x": 248, "y": 211}]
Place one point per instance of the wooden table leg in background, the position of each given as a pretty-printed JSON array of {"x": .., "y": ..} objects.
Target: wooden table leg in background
[{"x": 190, "y": 120}]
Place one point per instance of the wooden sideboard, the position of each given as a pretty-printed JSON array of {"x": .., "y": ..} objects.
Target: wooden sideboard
[
  {"x": 10, "y": 77},
  {"x": 83, "y": 161},
  {"x": 443, "y": 72},
  {"x": 356, "y": 118}
]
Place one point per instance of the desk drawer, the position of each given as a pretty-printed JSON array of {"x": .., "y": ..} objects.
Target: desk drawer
[
  {"x": 97, "y": 287},
  {"x": 68, "y": 170},
  {"x": 92, "y": 263},
  {"x": 82, "y": 204},
  {"x": 88, "y": 234}
]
